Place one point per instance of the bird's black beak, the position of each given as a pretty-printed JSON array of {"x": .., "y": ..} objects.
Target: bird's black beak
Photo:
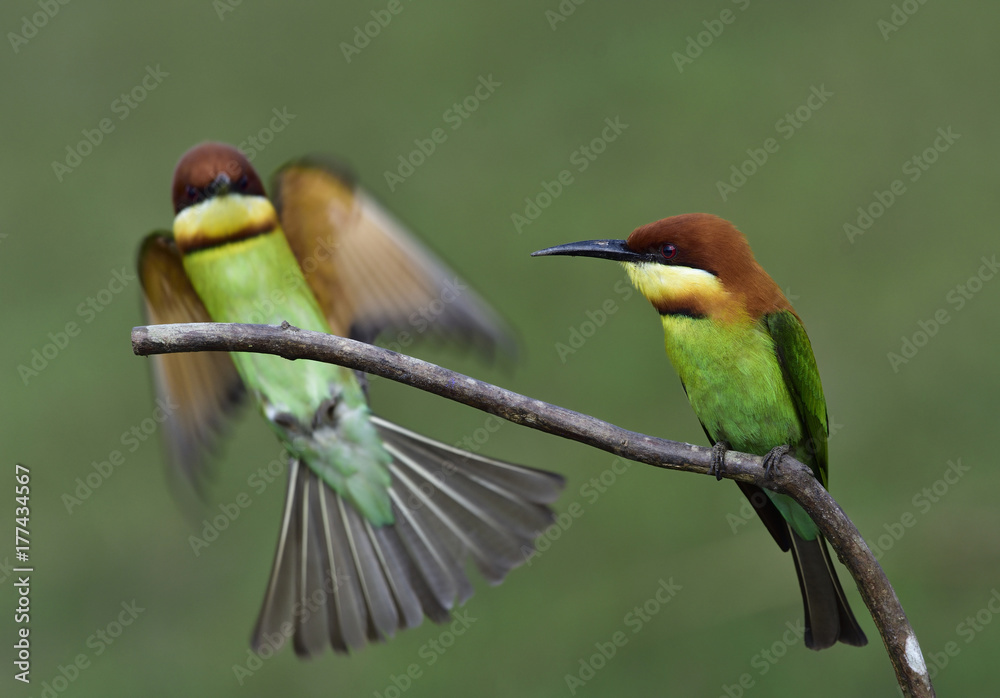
[
  {"x": 219, "y": 186},
  {"x": 602, "y": 249}
]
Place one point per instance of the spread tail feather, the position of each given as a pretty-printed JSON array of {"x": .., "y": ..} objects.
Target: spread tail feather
[{"x": 338, "y": 580}]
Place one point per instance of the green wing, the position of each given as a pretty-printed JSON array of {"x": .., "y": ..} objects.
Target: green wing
[{"x": 795, "y": 355}]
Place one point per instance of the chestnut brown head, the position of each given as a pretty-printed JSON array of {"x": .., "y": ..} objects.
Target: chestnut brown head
[{"x": 213, "y": 169}]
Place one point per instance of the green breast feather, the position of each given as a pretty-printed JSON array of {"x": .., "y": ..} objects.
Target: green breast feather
[
  {"x": 258, "y": 280},
  {"x": 756, "y": 386}
]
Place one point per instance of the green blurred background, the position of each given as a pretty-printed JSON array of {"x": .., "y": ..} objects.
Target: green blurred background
[{"x": 224, "y": 68}]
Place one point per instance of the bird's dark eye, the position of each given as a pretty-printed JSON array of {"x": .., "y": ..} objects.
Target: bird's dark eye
[
  {"x": 668, "y": 251},
  {"x": 242, "y": 182},
  {"x": 192, "y": 193}
]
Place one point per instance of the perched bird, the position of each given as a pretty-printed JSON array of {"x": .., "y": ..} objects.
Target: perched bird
[
  {"x": 379, "y": 522},
  {"x": 748, "y": 369}
]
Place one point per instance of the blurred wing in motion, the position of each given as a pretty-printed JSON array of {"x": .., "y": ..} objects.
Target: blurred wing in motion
[
  {"x": 368, "y": 271},
  {"x": 195, "y": 390}
]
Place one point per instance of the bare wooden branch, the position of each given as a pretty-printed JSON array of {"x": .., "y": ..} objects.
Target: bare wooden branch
[{"x": 791, "y": 477}]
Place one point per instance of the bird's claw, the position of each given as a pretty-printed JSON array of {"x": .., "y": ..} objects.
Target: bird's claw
[
  {"x": 774, "y": 457},
  {"x": 718, "y": 466},
  {"x": 326, "y": 413}
]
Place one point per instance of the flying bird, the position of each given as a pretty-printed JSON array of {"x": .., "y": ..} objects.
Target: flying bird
[{"x": 378, "y": 522}]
